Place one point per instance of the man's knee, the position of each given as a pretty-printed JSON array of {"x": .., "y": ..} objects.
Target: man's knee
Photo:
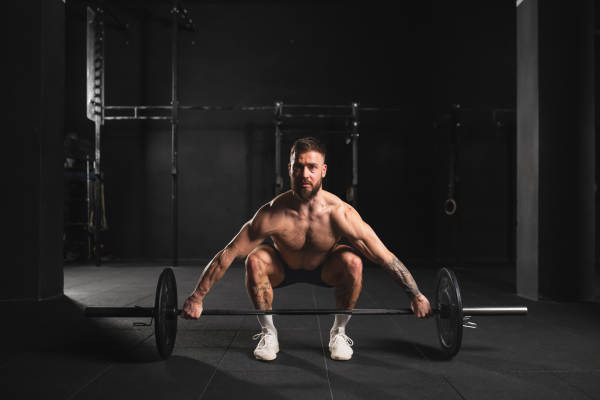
[
  {"x": 256, "y": 265},
  {"x": 352, "y": 265}
]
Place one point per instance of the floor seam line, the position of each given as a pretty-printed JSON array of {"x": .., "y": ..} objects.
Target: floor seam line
[
  {"x": 574, "y": 387},
  {"x": 220, "y": 362},
  {"x": 106, "y": 369},
  {"x": 322, "y": 346},
  {"x": 452, "y": 386},
  {"x": 90, "y": 382}
]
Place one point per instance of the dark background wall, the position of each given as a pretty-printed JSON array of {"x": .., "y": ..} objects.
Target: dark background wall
[
  {"x": 416, "y": 55},
  {"x": 31, "y": 156}
]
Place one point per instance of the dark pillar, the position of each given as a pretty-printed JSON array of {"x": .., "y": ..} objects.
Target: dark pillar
[
  {"x": 555, "y": 149},
  {"x": 31, "y": 154}
]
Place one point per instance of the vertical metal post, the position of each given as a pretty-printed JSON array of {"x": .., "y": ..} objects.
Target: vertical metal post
[
  {"x": 99, "y": 120},
  {"x": 174, "y": 129},
  {"x": 278, "y": 136},
  {"x": 355, "y": 155},
  {"x": 88, "y": 208},
  {"x": 97, "y": 205},
  {"x": 454, "y": 153}
]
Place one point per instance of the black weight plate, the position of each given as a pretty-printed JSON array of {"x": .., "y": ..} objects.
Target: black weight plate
[
  {"x": 165, "y": 306},
  {"x": 450, "y": 321}
]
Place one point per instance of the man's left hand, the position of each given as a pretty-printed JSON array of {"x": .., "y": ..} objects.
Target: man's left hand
[{"x": 421, "y": 307}]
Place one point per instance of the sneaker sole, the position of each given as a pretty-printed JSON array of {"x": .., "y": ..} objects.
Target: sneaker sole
[
  {"x": 338, "y": 358},
  {"x": 267, "y": 359}
]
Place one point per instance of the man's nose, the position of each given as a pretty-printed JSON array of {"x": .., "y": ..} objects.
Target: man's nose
[{"x": 305, "y": 173}]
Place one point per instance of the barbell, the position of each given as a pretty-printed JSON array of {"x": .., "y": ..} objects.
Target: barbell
[{"x": 450, "y": 316}]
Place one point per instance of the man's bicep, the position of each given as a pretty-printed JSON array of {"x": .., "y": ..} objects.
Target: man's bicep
[
  {"x": 364, "y": 238},
  {"x": 370, "y": 245}
]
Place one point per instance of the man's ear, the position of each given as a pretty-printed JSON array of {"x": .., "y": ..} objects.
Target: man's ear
[
  {"x": 290, "y": 169},
  {"x": 324, "y": 171}
]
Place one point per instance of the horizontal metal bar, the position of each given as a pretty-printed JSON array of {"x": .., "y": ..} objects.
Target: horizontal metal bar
[
  {"x": 315, "y": 106},
  {"x": 119, "y": 118},
  {"x": 307, "y": 312},
  {"x": 306, "y": 131},
  {"x": 225, "y": 108},
  {"x": 315, "y": 116},
  {"x": 138, "y": 107},
  {"x": 495, "y": 311},
  {"x": 119, "y": 312},
  {"x": 384, "y": 109}
]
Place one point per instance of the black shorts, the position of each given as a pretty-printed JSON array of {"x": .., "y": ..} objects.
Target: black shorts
[{"x": 292, "y": 276}]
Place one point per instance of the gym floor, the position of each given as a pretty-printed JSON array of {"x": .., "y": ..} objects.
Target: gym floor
[{"x": 52, "y": 351}]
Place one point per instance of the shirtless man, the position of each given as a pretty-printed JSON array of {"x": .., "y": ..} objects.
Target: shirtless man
[{"x": 305, "y": 224}]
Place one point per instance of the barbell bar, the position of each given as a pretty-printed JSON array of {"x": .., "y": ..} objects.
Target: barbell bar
[
  {"x": 447, "y": 306},
  {"x": 148, "y": 312}
]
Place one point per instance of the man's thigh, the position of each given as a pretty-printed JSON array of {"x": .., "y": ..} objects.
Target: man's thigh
[
  {"x": 337, "y": 264},
  {"x": 271, "y": 261}
]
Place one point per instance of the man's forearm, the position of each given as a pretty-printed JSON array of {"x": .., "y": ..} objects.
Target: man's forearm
[
  {"x": 402, "y": 277},
  {"x": 213, "y": 272}
]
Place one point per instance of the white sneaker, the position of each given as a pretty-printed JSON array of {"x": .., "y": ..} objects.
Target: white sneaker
[
  {"x": 339, "y": 344},
  {"x": 268, "y": 347}
]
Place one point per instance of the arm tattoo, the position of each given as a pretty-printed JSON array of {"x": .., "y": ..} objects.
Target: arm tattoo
[
  {"x": 402, "y": 277},
  {"x": 283, "y": 233}
]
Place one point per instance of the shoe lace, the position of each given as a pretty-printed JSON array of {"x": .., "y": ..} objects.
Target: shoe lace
[
  {"x": 340, "y": 338},
  {"x": 265, "y": 338}
]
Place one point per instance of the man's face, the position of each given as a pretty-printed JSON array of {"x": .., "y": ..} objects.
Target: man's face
[{"x": 307, "y": 171}]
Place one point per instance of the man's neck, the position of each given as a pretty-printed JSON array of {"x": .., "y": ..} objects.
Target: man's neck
[{"x": 305, "y": 207}]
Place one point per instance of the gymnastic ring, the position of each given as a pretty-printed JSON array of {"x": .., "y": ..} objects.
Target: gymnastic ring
[{"x": 453, "y": 208}]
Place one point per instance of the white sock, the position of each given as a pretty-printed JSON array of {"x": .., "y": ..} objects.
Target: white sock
[
  {"x": 266, "y": 321},
  {"x": 340, "y": 322}
]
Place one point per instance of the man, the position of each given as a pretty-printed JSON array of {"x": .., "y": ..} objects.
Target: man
[{"x": 305, "y": 224}]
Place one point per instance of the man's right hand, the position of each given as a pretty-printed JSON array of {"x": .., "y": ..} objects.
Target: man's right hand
[{"x": 192, "y": 308}]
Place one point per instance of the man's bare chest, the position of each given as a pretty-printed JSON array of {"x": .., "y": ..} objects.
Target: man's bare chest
[{"x": 306, "y": 236}]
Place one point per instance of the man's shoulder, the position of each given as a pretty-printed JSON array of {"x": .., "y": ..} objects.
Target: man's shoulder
[
  {"x": 270, "y": 213},
  {"x": 334, "y": 203},
  {"x": 340, "y": 211}
]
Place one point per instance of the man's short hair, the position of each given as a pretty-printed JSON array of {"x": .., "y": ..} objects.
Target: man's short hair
[{"x": 308, "y": 144}]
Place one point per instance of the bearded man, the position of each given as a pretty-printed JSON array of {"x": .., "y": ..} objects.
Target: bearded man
[{"x": 305, "y": 223}]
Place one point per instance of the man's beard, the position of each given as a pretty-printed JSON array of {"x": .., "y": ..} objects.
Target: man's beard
[{"x": 306, "y": 193}]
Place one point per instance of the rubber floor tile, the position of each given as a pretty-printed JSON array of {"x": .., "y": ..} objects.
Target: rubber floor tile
[
  {"x": 392, "y": 384},
  {"x": 198, "y": 339},
  {"x": 274, "y": 385},
  {"x": 291, "y": 360},
  {"x": 586, "y": 381},
  {"x": 185, "y": 375},
  {"x": 514, "y": 385},
  {"x": 48, "y": 375},
  {"x": 380, "y": 362},
  {"x": 479, "y": 355}
]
